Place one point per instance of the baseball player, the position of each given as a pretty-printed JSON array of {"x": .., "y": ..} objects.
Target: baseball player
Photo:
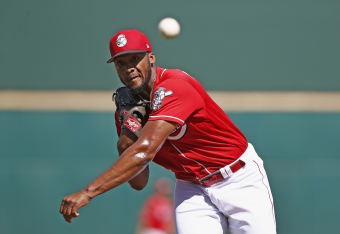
[
  {"x": 221, "y": 182},
  {"x": 156, "y": 216}
]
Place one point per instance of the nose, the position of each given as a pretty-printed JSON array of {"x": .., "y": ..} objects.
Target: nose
[{"x": 130, "y": 69}]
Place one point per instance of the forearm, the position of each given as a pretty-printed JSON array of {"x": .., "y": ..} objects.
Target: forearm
[
  {"x": 125, "y": 168},
  {"x": 132, "y": 161}
]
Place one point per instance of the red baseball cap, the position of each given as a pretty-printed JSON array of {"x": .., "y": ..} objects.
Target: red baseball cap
[{"x": 128, "y": 41}]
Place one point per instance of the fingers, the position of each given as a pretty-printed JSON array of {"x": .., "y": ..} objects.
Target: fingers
[
  {"x": 68, "y": 218},
  {"x": 68, "y": 209},
  {"x": 74, "y": 211},
  {"x": 62, "y": 206},
  {"x": 70, "y": 205}
]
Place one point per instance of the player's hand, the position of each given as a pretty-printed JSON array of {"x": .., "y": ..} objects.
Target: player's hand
[{"x": 71, "y": 203}]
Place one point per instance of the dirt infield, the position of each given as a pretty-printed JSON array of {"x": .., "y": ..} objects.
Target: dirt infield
[{"x": 101, "y": 101}]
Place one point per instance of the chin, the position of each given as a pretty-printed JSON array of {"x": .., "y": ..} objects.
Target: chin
[
  {"x": 139, "y": 89},
  {"x": 135, "y": 83}
]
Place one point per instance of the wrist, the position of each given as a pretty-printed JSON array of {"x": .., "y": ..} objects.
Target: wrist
[{"x": 90, "y": 193}]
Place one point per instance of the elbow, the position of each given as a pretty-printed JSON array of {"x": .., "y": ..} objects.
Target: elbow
[
  {"x": 137, "y": 187},
  {"x": 140, "y": 180}
]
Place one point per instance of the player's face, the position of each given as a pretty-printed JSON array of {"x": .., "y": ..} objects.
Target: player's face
[{"x": 134, "y": 70}]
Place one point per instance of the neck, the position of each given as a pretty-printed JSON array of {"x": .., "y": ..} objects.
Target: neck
[{"x": 146, "y": 93}]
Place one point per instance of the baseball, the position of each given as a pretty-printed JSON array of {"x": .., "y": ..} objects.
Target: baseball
[{"x": 169, "y": 28}]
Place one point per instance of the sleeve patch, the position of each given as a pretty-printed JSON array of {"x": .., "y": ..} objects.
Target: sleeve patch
[{"x": 159, "y": 95}]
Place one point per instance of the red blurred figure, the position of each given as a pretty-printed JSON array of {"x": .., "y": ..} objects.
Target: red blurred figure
[{"x": 157, "y": 214}]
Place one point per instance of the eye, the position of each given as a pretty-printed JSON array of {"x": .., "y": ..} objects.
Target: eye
[
  {"x": 119, "y": 63},
  {"x": 135, "y": 58}
]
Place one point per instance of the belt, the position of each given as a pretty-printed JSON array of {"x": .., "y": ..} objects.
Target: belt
[{"x": 217, "y": 176}]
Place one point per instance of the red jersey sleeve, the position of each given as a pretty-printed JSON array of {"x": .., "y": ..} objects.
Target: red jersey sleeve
[{"x": 175, "y": 100}]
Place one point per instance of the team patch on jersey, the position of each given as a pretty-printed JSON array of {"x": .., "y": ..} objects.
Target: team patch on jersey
[
  {"x": 132, "y": 124},
  {"x": 121, "y": 40},
  {"x": 159, "y": 95}
]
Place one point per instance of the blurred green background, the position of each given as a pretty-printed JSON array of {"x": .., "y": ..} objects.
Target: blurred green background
[{"x": 227, "y": 45}]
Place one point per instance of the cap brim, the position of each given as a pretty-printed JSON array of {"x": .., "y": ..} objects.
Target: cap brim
[{"x": 125, "y": 52}]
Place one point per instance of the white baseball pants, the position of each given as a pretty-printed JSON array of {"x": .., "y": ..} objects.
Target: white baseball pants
[{"x": 241, "y": 203}]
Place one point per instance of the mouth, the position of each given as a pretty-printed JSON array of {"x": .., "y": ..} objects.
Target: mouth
[{"x": 133, "y": 77}]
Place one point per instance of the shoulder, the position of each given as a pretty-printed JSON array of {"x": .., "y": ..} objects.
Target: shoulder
[
  {"x": 177, "y": 82},
  {"x": 174, "y": 78},
  {"x": 173, "y": 74}
]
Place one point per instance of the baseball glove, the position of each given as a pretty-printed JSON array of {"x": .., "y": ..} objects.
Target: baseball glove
[{"x": 132, "y": 110}]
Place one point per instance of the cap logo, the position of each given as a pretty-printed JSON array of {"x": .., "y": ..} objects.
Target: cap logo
[{"x": 121, "y": 40}]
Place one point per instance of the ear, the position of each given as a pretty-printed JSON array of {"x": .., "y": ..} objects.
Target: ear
[{"x": 152, "y": 58}]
